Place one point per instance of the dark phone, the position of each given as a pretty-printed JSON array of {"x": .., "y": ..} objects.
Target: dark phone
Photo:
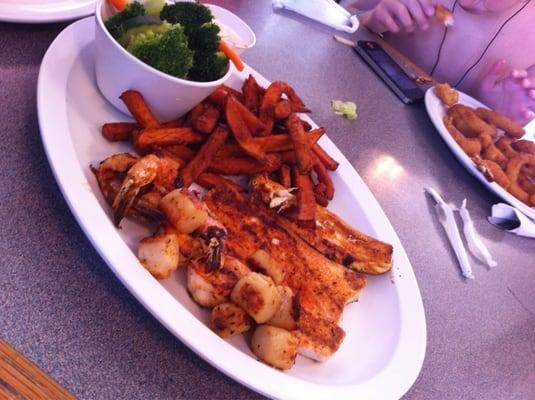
[{"x": 389, "y": 71}]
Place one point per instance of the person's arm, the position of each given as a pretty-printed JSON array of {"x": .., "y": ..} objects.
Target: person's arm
[
  {"x": 363, "y": 4},
  {"x": 399, "y": 15}
]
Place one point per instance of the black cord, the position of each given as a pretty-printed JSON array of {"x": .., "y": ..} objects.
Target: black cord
[
  {"x": 442, "y": 42},
  {"x": 490, "y": 43}
]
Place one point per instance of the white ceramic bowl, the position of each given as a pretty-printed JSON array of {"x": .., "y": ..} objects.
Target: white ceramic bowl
[
  {"x": 242, "y": 31},
  {"x": 117, "y": 71}
]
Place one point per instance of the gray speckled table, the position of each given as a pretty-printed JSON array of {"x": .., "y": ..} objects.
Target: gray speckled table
[{"x": 63, "y": 308}]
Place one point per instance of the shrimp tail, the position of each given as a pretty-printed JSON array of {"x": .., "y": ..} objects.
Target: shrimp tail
[{"x": 124, "y": 200}]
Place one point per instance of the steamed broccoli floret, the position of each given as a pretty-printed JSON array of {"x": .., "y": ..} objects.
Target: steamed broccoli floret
[
  {"x": 208, "y": 66},
  {"x": 142, "y": 32},
  {"x": 167, "y": 51},
  {"x": 114, "y": 24},
  {"x": 205, "y": 38},
  {"x": 189, "y": 15}
]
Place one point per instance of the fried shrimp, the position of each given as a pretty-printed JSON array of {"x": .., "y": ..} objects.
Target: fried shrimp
[
  {"x": 470, "y": 146},
  {"x": 447, "y": 94},
  {"x": 510, "y": 127},
  {"x": 466, "y": 120},
  {"x": 444, "y": 15}
]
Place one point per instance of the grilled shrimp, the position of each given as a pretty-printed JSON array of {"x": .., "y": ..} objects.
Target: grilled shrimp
[
  {"x": 110, "y": 174},
  {"x": 149, "y": 170}
]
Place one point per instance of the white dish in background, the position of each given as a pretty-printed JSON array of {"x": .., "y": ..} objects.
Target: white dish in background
[
  {"x": 437, "y": 111},
  {"x": 231, "y": 25},
  {"x": 384, "y": 349},
  {"x": 43, "y": 11}
]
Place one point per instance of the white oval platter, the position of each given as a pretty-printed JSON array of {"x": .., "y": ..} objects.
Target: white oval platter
[{"x": 384, "y": 349}]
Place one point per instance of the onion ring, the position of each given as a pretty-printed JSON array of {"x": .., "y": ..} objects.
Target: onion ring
[
  {"x": 471, "y": 147},
  {"x": 492, "y": 171},
  {"x": 524, "y": 146},
  {"x": 514, "y": 167},
  {"x": 494, "y": 154}
]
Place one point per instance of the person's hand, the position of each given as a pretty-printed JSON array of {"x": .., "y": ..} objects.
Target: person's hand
[
  {"x": 399, "y": 15},
  {"x": 510, "y": 92}
]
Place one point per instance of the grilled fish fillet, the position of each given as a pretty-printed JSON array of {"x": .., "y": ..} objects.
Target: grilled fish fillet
[
  {"x": 322, "y": 287},
  {"x": 332, "y": 237}
]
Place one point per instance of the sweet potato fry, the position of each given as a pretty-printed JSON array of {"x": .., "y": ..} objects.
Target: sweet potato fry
[
  {"x": 323, "y": 177},
  {"x": 241, "y": 131},
  {"x": 193, "y": 114},
  {"x": 175, "y": 123},
  {"x": 325, "y": 158},
  {"x": 162, "y": 152},
  {"x": 253, "y": 123},
  {"x": 306, "y": 201},
  {"x": 236, "y": 93},
  {"x": 319, "y": 194},
  {"x": 118, "y": 131},
  {"x": 276, "y": 90},
  {"x": 301, "y": 144},
  {"x": 219, "y": 96},
  {"x": 210, "y": 181},
  {"x": 181, "y": 151},
  {"x": 167, "y": 136},
  {"x": 135, "y": 103},
  {"x": 207, "y": 121},
  {"x": 245, "y": 165},
  {"x": 203, "y": 158},
  {"x": 282, "y": 109},
  {"x": 288, "y": 157},
  {"x": 306, "y": 126},
  {"x": 285, "y": 175},
  {"x": 252, "y": 93},
  {"x": 270, "y": 144}
]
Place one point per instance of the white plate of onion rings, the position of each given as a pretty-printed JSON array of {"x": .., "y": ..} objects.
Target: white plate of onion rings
[{"x": 437, "y": 110}]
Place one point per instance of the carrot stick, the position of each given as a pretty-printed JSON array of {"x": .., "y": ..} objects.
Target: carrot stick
[
  {"x": 119, "y": 5},
  {"x": 231, "y": 54}
]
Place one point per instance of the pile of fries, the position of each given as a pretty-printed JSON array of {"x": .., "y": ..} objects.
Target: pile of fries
[
  {"x": 493, "y": 142},
  {"x": 255, "y": 131}
]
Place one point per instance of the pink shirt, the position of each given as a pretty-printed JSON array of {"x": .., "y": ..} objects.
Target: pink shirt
[{"x": 466, "y": 40}]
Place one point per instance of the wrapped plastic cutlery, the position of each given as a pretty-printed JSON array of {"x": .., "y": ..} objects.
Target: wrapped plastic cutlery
[
  {"x": 475, "y": 244},
  {"x": 447, "y": 219}
]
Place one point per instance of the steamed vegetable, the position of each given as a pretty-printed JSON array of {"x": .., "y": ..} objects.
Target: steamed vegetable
[
  {"x": 154, "y": 7},
  {"x": 346, "y": 109},
  {"x": 189, "y": 15},
  {"x": 114, "y": 24},
  {"x": 119, "y": 4},
  {"x": 167, "y": 51},
  {"x": 183, "y": 41},
  {"x": 231, "y": 54},
  {"x": 208, "y": 66}
]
